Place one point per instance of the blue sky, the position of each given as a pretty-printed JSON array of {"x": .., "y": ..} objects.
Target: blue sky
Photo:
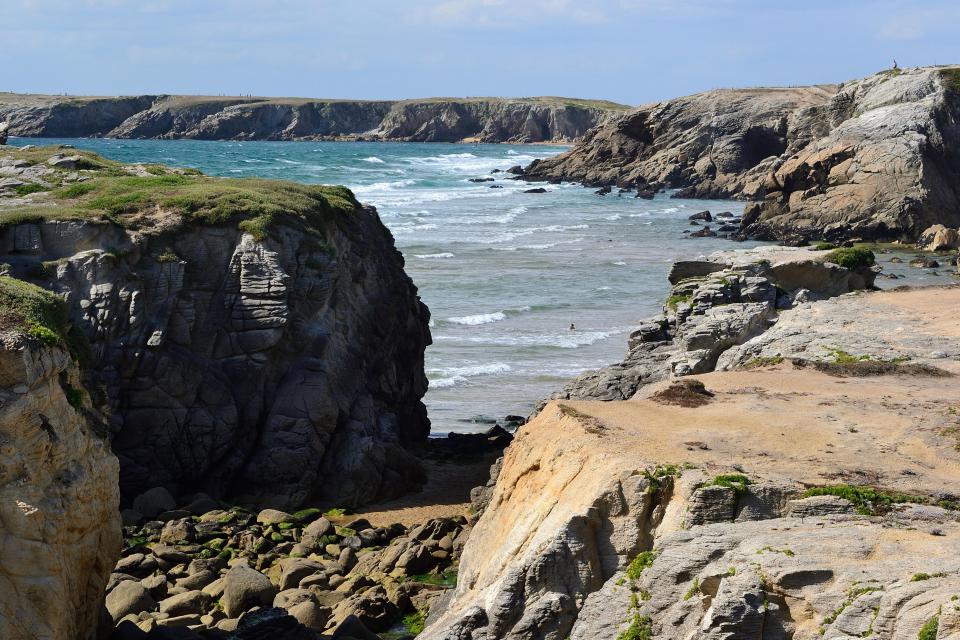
[{"x": 631, "y": 51}]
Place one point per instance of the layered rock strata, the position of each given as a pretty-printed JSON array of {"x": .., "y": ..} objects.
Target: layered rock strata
[
  {"x": 215, "y": 118},
  {"x": 873, "y": 158},
  {"x": 786, "y": 502}
]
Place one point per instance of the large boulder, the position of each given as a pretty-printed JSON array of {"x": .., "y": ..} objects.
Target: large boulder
[
  {"x": 59, "y": 503},
  {"x": 938, "y": 238},
  {"x": 245, "y": 588}
]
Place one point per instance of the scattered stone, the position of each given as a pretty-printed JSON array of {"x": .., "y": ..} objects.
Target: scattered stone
[
  {"x": 245, "y": 588},
  {"x": 129, "y": 597}
]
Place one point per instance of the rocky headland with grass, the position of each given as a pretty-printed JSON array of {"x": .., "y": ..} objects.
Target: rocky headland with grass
[
  {"x": 540, "y": 119},
  {"x": 869, "y": 159}
]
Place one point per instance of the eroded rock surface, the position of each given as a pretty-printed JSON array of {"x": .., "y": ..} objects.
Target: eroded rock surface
[
  {"x": 793, "y": 504},
  {"x": 59, "y": 501},
  {"x": 871, "y": 158}
]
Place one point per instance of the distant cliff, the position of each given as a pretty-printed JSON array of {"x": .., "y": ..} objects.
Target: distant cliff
[
  {"x": 224, "y": 118},
  {"x": 874, "y": 158}
]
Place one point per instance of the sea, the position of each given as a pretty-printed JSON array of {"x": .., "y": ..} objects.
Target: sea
[{"x": 526, "y": 290}]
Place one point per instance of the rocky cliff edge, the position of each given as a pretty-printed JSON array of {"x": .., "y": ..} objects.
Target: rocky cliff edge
[
  {"x": 59, "y": 501},
  {"x": 247, "y": 338},
  {"x": 808, "y": 490}
]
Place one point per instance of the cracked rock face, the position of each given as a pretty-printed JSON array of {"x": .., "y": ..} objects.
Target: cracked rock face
[
  {"x": 275, "y": 371},
  {"x": 59, "y": 517},
  {"x": 873, "y": 158}
]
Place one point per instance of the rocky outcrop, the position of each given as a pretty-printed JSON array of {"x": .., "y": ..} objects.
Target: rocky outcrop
[
  {"x": 221, "y": 118},
  {"x": 716, "y": 304},
  {"x": 59, "y": 519},
  {"x": 4, "y": 131},
  {"x": 248, "y": 339},
  {"x": 873, "y": 158},
  {"x": 703, "y": 144},
  {"x": 793, "y": 503}
]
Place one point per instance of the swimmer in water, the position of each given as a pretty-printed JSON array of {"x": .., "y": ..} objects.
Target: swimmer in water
[{"x": 573, "y": 327}]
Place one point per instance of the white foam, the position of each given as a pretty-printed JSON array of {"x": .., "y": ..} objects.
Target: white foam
[
  {"x": 374, "y": 160},
  {"x": 480, "y": 318},
  {"x": 450, "y": 376},
  {"x": 434, "y": 256},
  {"x": 564, "y": 340}
]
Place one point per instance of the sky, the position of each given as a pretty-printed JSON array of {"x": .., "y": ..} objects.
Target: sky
[{"x": 629, "y": 51}]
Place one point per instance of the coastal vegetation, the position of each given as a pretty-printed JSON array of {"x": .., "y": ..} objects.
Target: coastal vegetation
[{"x": 112, "y": 191}]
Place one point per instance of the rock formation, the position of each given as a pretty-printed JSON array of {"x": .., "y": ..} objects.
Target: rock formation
[
  {"x": 248, "y": 338},
  {"x": 714, "y": 305},
  {"x": 216, "y": 118},
  {"x": 873, "y": 158},
  {"x": 4, "y": 131},
  {"x": 778, "y": 499},
  {"x": 59, "y": 519}
]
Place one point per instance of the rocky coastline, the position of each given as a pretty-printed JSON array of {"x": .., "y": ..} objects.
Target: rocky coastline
[
  {"x": 870, "y": 159},
  {"x": 522, "y": 120},
  {"x": 211, "y": 404}
]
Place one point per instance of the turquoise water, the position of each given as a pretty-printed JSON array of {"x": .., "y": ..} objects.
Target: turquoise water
[{"x": 504, "y": 273}]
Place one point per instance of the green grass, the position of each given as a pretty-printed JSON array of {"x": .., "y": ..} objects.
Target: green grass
[
  {"x": 335, "y": 513},
  {"x": 641, "y": 628},
  {"x": 693, "y": 590},
  {"x": 659, "y": 473},
  {"x": 824, "y": 246},
  {"x": 763, "y": 362},
  {"x": 415, "y": 622},
  {"x": 74, "y": 396},
  {"x": 929, "y": 630},
  {"x": 852, "y": 257},
  {"x": 735, "y": 481},
  {"x": 33, "y": 311},
  {"x": 950, "y": 78},
  {"x": 27, "y": 189},
  {"x": 843, "y": 357},
  {"x": 644, "y": 560},
  {"x": 112, "y": 193},
  {"x": 920, "y": 577},
  {"x": 674, "y": 300},
  {"x": 867, "y": 500}
]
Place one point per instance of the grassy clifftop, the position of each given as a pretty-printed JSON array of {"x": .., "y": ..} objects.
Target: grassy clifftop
[{"x": 64, "y": 184}]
